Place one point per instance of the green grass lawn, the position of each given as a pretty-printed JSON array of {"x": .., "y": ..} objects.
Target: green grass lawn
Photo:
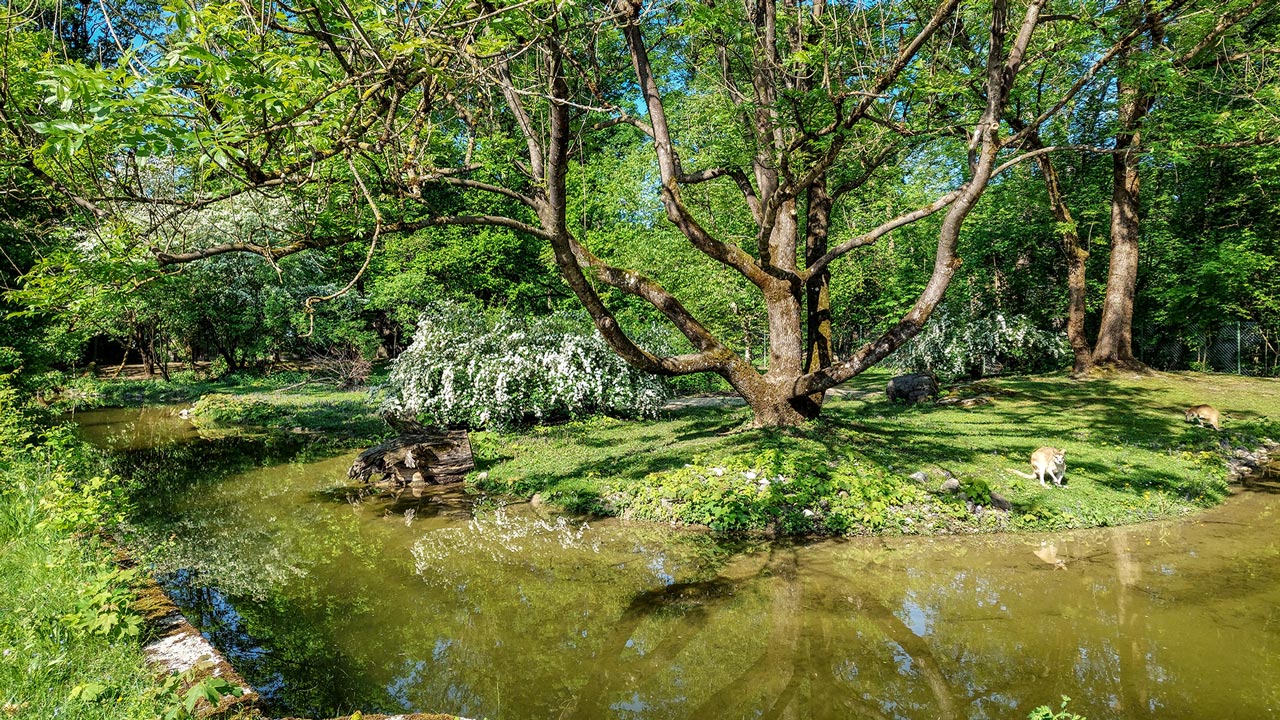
[{"x": 1130, "y": 454}]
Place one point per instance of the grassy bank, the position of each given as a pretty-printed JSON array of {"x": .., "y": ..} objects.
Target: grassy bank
[
  {"x": 290, "y": 400},
  {"x": 72, "y": 627},
  {"x": 1130, "y": 457},
  {"x": 69, "y": 643}
]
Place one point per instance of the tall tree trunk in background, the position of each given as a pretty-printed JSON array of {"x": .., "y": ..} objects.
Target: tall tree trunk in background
[
  {"x": 1115, "y": 335},
  {"x": 818, "y": 289},
  {"x": 1076, "y": 254}
]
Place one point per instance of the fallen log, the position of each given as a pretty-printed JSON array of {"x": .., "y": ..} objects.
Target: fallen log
[{"x": 425, "y": 455}]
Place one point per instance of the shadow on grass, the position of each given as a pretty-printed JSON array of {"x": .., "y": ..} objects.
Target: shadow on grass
[{"x": 1120, "y": 436}]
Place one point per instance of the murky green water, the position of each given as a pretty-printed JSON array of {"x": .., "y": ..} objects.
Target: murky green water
[{"x": 329, "y": 600}]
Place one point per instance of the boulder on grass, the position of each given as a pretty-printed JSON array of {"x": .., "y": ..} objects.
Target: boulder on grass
[{"x": 912, "y": 388}]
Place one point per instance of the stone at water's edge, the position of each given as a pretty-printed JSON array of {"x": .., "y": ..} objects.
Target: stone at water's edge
[
  {"x": 428, "y": 456},
  {"x": 912, "y": 388}
]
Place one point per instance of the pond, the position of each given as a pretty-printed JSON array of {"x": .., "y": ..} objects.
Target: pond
[{"x": 329, "y": 598}]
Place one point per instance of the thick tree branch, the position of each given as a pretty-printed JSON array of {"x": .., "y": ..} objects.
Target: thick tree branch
[
  {"x": 668, "y": 162},
  {"x": 1225, "y": 23},
  {"x": 880, "y": 231}
]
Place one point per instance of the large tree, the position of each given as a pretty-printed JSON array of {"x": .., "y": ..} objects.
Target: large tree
[{"x": 378, "y": 119}]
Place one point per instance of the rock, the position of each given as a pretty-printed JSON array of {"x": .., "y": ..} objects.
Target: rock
[
  {"x": 434, "y": 456},
  {"x": 951, "y": 485},
  {"x": 536, "y": 500},
  {"x": 809, "y": 513},
  {"x": 912, "y": 388},
  {"x": 1000, "y": 502},
  {"x": 843, "y": 494},
  {"x": 920, "y": 476}
]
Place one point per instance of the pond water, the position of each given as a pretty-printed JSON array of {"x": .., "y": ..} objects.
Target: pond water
[{"x": 330, "y": 599}]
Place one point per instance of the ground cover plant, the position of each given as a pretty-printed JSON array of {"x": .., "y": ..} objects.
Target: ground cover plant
[{"x": 1130, "y": 457}]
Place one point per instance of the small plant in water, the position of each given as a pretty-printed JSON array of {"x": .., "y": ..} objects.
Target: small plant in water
[{"x": 1044, "y": 712}]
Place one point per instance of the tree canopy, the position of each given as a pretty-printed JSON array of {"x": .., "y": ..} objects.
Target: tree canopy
[{"x": 791, "y": 186}]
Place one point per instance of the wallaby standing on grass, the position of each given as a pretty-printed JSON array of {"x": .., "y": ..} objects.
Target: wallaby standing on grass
[
  {"x": 1047, "y": 460},
  {"x": 1206, "y": 414}
]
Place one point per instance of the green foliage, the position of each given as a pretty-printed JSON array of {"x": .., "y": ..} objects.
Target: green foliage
[
  {"x": 869, "y": 499},
  {"x": 102, "y": 605},
  {"x": 1044, "y": 712},
  {"x": 68, "y": 633},
  {"x": 184, "y": 692},
  {"x": 77, "y": 504},
  {"x": 787, "y": 492},
  {"x": 14, "y": 427}
]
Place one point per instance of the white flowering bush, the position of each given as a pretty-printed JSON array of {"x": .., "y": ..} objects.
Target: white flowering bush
[
  {"x": 956, "y": 344},
  {"x": 471, "y": 369}
]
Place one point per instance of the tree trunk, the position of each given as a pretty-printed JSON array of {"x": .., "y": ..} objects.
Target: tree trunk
[
  {"x": 1115, "y": 336},
  {"x": 1077, "y": 254},
  {"x": 782, "y": 300},
  {"x": 775, "y": 408},
  {"x": 818, "y": 289},
  {"x": 144, "y": 352},
  {"x": 770, "y": 399}
]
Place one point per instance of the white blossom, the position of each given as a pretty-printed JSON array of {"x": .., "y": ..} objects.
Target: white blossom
[{"x": 464, "y": 368}]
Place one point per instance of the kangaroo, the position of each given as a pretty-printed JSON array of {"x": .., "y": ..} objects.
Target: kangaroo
[
  {"x": 1205, "y": 414},
  {"x": 1047, "y": 461}
]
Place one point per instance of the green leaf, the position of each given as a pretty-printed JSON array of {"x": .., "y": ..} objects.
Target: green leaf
[{"x": 87, "y": 692}]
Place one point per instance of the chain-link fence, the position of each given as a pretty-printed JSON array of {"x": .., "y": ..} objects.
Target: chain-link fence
[{"x": 1244, "y": 348}]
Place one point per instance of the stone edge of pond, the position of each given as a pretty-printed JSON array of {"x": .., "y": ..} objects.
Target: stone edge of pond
[
  {"x": 172, "y": 645},
  {"x": 1245, "y": 463}
]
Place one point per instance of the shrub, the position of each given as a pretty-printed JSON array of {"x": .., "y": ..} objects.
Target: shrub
[
  {"x": 345, "y": 364},
  {"x": 466, "y": 368},
  {"x": 955, "y": 344}
]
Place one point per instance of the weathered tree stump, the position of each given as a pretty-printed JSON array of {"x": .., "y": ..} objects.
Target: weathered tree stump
[
  {"x": 426, "y": 455},
  {"x": 912, "y": 388}
]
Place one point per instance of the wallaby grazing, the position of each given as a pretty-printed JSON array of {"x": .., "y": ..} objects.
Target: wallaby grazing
[
  {"x": 1206, "y": 414},
  {"x": 1047, "y": 460}
]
